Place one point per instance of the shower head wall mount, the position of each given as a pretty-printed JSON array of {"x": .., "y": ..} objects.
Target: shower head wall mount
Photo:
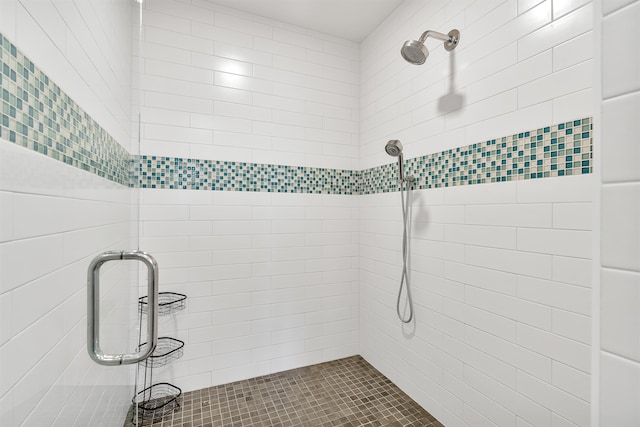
[{"x": 416, "y": 53}]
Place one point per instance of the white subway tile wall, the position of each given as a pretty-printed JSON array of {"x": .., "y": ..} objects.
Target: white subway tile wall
[
  {"x": 220, "y": 84},
  {"x": 272, "y": 279},
  {"x": 488, "y": 305},
  {"x": 85, "y": 47},
  {"x": 619, "y": 235},
  {"x": 619, "y": 386},
  {"x": 513, "y": 70},
  {"x": 55, "y": 218},
  {"x": 500, "y": 272}
]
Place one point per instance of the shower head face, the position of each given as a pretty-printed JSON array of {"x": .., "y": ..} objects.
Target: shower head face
[
  {"x": 393, "y": 148},
  {"x": 414, "y": 52}
]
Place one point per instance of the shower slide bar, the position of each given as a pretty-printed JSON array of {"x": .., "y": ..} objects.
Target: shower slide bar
[{"x": 93, "y": 309}]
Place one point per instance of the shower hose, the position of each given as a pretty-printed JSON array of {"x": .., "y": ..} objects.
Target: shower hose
[{"x": 404, "y": 279}]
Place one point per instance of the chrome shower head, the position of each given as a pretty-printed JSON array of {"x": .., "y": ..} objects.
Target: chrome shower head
[
  {"x": 393, "y": 148},
  {"x": 416, "y": 53}
]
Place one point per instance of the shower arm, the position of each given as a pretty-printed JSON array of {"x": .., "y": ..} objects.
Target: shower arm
[{"x": 435, "y": 35}]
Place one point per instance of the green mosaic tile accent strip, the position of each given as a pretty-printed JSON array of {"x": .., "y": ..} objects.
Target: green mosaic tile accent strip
[
  {"x": 561, "y": 150},
  {"x": 193, "y": 174},
  {"x": 35, "y": 113}
]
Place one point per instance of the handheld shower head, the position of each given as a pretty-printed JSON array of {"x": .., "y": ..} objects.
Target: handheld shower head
[
  {"x": 416, "y": 53},
  {"x": 393, "y": 148}
]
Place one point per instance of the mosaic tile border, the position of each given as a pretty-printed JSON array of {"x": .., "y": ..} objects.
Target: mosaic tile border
[
  {"x": 560, "y": 150},
  {"x": 194, "y": 174},
  {"x": 36, "y": 114},
  {"x": 563, "y": 149}
]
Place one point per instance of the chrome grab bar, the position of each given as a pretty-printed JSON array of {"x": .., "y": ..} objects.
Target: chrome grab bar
[{"x": 93, "y": 309}]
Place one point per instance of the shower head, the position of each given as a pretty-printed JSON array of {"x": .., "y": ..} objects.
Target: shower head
[
  {"x": 416, "y": 53},
  {"x": 393, "y": 148}
]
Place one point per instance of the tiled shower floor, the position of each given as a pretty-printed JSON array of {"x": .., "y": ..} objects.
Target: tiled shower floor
[{"x": 346, "y": 392}]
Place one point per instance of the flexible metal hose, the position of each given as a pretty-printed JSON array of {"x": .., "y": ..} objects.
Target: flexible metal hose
[{"x": 404, "y": 278}]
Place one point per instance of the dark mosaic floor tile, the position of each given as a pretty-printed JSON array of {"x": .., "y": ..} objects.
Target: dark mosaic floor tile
[{"x": 342, "y": 393}]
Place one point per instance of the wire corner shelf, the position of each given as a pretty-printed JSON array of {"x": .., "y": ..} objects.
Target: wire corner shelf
[{"x": 168, "y": 303}]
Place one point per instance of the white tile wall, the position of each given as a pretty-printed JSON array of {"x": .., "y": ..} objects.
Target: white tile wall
[
  {"x": 83, "y": 46},
  {"x": 272, "y": 279},
  {"x": 619, "y": 69},
  {"x": 55, "y": 218},
  {"x": 59, "y": 218},
  {"x": 618, "y": 115},
  {"x": 276, "y": 281},
  {"x": 225, "y": 85},
  {"x": 619, "y": 360},
  {"x": 619, "y": 317},
  {"x": 620, "y": 245},
  {"x": 523, "y": 340},
  {"x": 501, "y": 272},
  {"x": 518, "y": 66},
  {"x": 619, "y": 391}
]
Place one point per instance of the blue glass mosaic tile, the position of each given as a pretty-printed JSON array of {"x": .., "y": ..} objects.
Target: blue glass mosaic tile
[
  {"x": 525, "y": 155},
  {"x": 194, "y": 174},
  {"x": 36, "y": 114}
]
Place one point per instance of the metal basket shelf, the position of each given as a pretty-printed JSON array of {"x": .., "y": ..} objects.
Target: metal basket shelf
[
  {"x": 168, "y": 302},
  {"x": 167, "y": 351},
  {"x": 158, "y": 400}
]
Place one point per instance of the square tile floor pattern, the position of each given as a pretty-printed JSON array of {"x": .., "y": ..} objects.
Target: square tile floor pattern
[{"x": 345, "y": 392}]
